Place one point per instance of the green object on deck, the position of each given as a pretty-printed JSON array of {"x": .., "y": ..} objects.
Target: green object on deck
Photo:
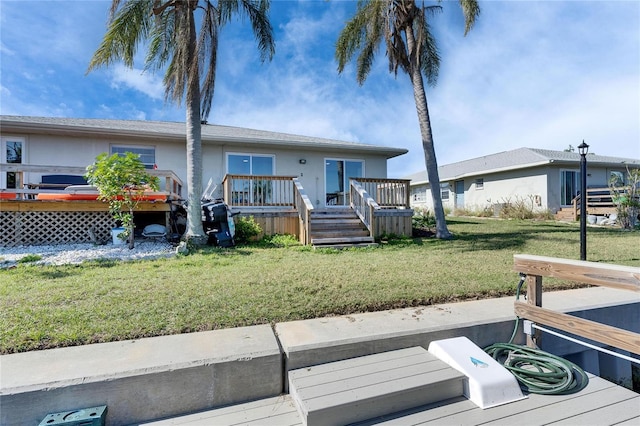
[{"x": 92, "y": 416}]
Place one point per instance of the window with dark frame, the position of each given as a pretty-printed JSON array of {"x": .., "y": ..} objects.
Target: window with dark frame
[{"x": 147, "y": 155}]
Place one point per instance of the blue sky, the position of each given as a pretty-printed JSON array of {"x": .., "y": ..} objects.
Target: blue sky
[{"x": 544, "y": 74}]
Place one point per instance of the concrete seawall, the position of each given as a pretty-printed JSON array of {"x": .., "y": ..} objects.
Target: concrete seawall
[{"x": 147, "y": 379}]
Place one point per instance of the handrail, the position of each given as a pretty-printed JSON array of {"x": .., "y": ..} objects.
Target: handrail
[
  {"x": 363, "y": 204},
  {"x": 388, "y": 193},
  {"x": 304, "y": 206},
  {"x": 171, "y": 183},
  {"x": 258, "y": 190},
  {"x": 600, "y": 274},
  {"x": 598, "y": 199}
]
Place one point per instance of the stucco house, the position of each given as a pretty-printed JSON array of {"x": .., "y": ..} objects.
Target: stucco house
[
  {"x": 547, "y": 179},
  {"x": 256, "y": 171}
]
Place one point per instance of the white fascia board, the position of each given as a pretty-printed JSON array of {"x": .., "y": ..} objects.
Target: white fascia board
[{"x": 486, "y": 172}]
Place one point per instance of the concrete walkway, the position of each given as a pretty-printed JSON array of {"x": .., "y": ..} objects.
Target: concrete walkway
[{"x": 147, "y": 379}]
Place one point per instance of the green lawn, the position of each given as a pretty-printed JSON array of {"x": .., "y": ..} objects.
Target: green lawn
[{"x": 51, "y": 306}]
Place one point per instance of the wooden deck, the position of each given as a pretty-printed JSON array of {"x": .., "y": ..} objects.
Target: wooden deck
[{"x": 600, "y": 403}]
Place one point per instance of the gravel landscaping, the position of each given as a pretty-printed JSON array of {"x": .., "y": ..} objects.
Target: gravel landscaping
[{"x": 78, "y": 253}]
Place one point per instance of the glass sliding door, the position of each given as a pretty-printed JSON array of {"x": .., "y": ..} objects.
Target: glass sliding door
[
  {"x": 337, "y": 174},
  {"x": 251, "y": 191},
  {"x": 569, "y": 186}
]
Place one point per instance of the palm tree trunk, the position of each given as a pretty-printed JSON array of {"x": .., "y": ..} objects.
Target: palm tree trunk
[
  {"x": 195, "y": 232},
  {"x": 422, "y": 109}
]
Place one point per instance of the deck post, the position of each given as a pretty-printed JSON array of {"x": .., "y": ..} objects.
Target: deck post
[{"x": 534, "y": 297}]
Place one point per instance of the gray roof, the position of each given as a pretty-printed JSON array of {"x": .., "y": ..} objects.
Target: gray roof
[
  {"x": 516, "y": 159},
  {"x": 211, "y": 134}
]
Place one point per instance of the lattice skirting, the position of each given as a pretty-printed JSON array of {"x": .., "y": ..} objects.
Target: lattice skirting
[{"x": 44, "y": 228}]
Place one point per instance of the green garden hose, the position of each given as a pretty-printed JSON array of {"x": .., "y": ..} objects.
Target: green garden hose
[
  {"x": 536, "y": 370},
  {"x": 539, "y": 371}
]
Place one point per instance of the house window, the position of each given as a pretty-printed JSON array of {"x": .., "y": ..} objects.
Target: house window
[
  {"x": 419, "y": 194},
  {"x": 444, "y": 194},
  {"x": 250, "y": 164},
  {"x": 616, "y": 178},
  {"x": 147, "y": 155},
  {"x": 12, "y": 152},
  {"x": 480, "y": 183}
]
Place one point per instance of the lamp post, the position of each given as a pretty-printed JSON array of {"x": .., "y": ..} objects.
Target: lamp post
[{"x": 583, "y": 149}]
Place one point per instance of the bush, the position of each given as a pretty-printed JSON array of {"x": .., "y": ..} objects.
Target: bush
[
  {"x": 279, "y": 240},
  {"x": 247, "y": 229},
  {"x": 423, "y": 219}
]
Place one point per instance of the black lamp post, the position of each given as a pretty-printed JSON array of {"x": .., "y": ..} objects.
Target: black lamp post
[{"x": 583, "y": 149}]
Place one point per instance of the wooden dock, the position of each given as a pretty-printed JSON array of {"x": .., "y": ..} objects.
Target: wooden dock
[{"x": 600, "y": 403}]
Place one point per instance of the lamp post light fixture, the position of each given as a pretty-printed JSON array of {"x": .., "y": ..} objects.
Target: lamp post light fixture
[{"x": 583, "y": 149}]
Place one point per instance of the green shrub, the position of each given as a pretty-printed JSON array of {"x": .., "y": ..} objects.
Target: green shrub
[
  {"x": 247, "y": 229},
  {"x": 280, "y": 240},
  {"x": 30, "y": 258},
  {"x": 423, "y": 219}
]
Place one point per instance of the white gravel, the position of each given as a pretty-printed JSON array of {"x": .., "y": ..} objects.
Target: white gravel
[{"x": 78, "y": 253}]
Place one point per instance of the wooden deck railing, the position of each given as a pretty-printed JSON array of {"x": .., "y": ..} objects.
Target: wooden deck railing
[
  {"x": 388, "y": 193},
  {"x": 363, "y": 204},
  {"x": 258, "y": 191},
  {"x": 304, "y": 206},
  {"x": 169, "y": 181},
  {"x": 599, "y": 201},
  {"x": 600, "y": 274}
]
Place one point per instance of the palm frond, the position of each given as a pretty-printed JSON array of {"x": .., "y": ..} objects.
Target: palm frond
[
  {"x": 258, "y": 12},
  {"x": 128, "y": 26},
  {"x": 207, "y": 56},
  {"x": 470, "y": 10},
  {"x": 428, "y": 56},
  {"x": 363, "y": 33}
]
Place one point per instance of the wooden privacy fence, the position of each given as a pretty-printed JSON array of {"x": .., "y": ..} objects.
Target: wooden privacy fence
[{"x": 600, "y": 274}]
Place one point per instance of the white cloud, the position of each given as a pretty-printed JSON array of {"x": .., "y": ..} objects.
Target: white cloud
[
  {"x": 4, "y": 50},
  {"x": 538, "y": 74},
  {"x": 136, "y": 79}
]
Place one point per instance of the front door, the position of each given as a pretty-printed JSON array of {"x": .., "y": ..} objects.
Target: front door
[
  {"x": 11, "y": 151},
  {"x": 337, "y": 174},
  {"x": 459, "y": 185}
]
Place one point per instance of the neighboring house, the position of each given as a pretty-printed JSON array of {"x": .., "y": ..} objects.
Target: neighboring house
[
  {"x": 286, "y": 181},
  {"x": 323, "y": 166},
  {"x": 544, "y": 178}
]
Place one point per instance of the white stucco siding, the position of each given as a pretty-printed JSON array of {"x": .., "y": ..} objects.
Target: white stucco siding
[
  {"x": 51, "y": 150},
  {"x": 81, "y": 151},
  {"x": 508, "y": 187}
]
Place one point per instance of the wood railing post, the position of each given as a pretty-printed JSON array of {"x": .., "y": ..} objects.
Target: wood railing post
[{"x": 534, "y": 297}]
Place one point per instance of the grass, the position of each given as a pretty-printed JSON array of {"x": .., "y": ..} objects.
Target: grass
[{"x": 52, "y": 306}]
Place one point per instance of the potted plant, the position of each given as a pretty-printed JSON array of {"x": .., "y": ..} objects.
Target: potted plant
[{"x": 121, "y": 181}]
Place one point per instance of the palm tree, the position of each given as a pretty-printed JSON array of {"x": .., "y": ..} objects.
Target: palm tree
[
  {"x": 410, "y": 46},
  {"x": 189, "y": 58}
]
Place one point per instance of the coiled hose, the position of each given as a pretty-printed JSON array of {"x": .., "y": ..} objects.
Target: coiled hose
[{"x": 538, "y": 371}]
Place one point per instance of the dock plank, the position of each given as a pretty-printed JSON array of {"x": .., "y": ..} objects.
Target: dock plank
[{"x": 622, "y": 411}]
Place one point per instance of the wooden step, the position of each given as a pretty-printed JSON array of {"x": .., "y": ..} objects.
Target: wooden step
[
  {"x": 346, "y": 246},
  {"x": 334, "y": 215},
  {"x": 340, "y": 240},
  {"x": 336, "y": 233},
  {"x": 335, "y": 222},
  {"x": 363, "y": 388}
]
